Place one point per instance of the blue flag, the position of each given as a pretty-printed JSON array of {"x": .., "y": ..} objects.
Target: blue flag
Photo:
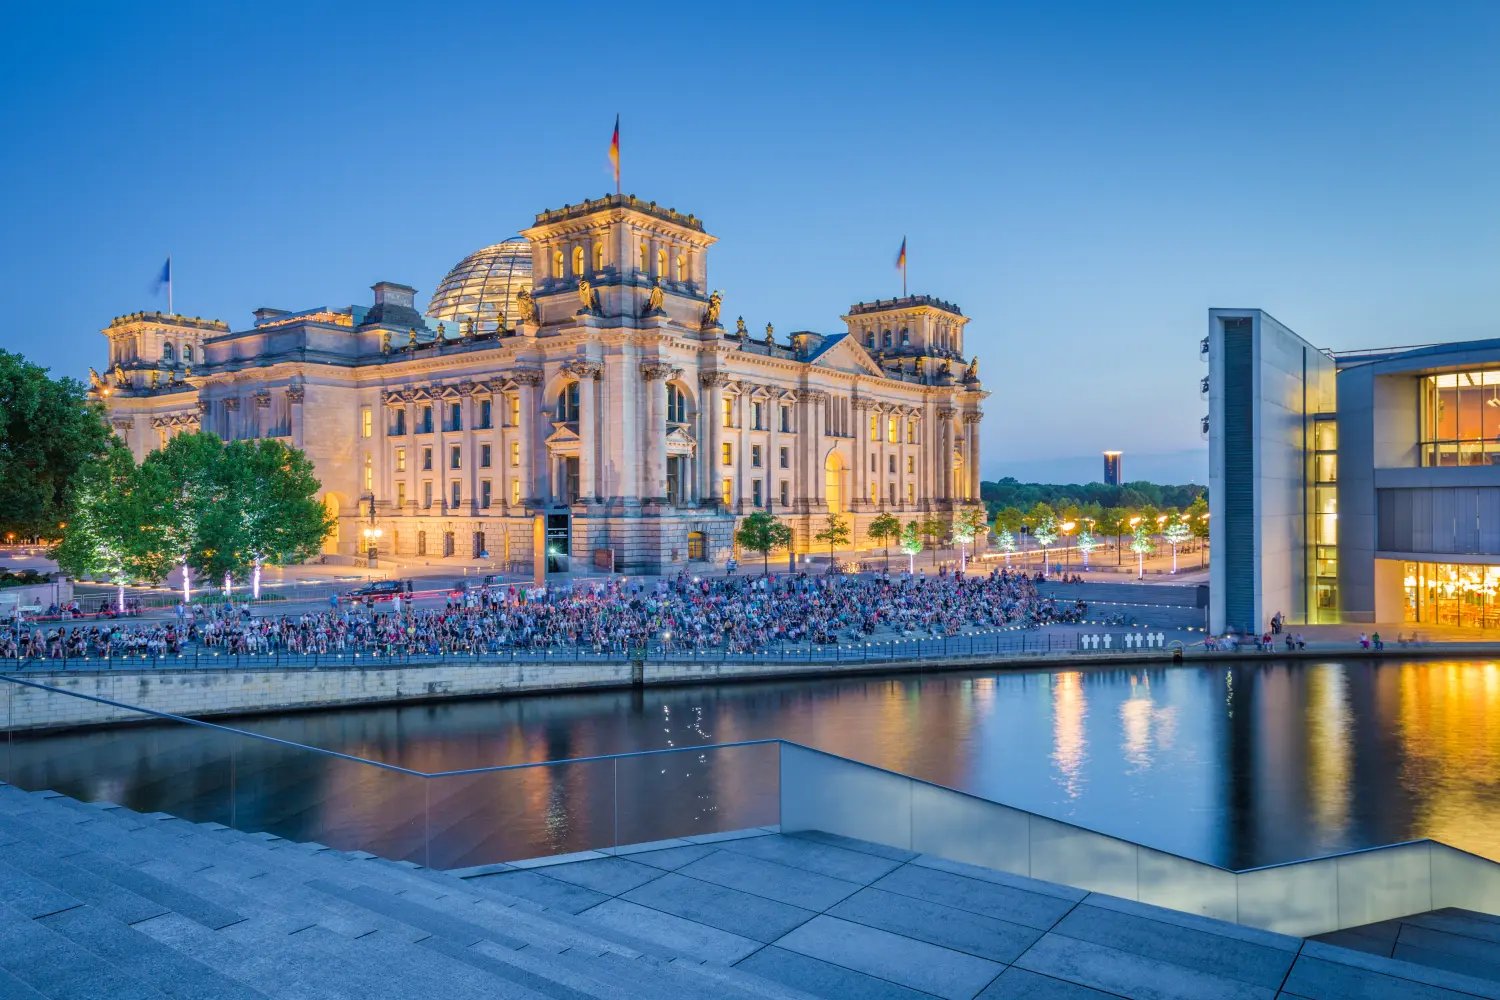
[{"x": 164, "y": 279}]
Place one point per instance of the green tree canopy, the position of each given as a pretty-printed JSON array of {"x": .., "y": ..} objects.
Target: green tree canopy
[
  {"x": 911, "y": 543},
  {"x": 836, "y": 533},
  {"x": 885, "y": 527},
  {"x": 761, "y": 532},
  {"x": 1197, "y": 514},
  {"x": 1009, "y": 519},
  {"x": 103, "y": 536},
  {"x": 48, "y": 432}
]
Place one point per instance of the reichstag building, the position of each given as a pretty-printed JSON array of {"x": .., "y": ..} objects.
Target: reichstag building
[{"x": 575, "y": 384}]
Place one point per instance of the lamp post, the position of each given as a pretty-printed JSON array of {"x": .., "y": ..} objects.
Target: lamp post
[
  {"x": 1140, "y": 563},
  {"x": 1067, "y": 530},
  {"x": 1203, "y": 549},
  {"x": 372, "y": 543}
]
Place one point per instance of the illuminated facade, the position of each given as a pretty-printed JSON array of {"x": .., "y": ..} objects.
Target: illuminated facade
[
  {"x": 588, "y": 382},
  {"x": 1361, "y": 486}
]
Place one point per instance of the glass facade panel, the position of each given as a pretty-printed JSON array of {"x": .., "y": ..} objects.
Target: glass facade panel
[
  {"x": 1453, "y": 594},
  {"x": 485, "y": 286},
  {"x": 1460, "y": 415}
]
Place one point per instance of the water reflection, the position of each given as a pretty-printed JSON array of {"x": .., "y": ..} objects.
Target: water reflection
[{"x": 1246, "y": 765}]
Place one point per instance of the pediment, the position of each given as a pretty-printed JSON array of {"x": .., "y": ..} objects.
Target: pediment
[
  {"x": 846, "y": 355},
  {"x": 562, "y": 434}
]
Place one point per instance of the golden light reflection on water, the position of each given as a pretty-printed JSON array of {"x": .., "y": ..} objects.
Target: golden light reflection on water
[
  {"x": 1448, "y": 718},
  {"x": 1069, "y": 739},
  {"x": 1330, "y": 766},
  {"x": 1146, "y": 728}
]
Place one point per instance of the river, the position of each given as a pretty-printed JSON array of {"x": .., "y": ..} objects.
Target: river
[{"x": 1237, "y": 765}]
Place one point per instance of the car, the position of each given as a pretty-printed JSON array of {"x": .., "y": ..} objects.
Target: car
[{"x": 380, "y": 590}]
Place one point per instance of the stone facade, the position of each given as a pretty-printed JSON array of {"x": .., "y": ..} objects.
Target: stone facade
[{"x": 618, "y": 414}]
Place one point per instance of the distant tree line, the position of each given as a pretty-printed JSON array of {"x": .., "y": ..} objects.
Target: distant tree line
[{"x": 1008, "y": 492}]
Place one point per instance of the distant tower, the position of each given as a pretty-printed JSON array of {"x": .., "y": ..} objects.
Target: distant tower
[{"x": 1112, "y": 468}]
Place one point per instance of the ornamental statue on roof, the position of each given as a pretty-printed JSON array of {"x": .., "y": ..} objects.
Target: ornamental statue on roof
[{"x": 711, "y": 314}]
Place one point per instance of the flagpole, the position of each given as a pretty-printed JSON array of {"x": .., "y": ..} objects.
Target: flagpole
[
  {"x": 903, "y": 267},
  {"x": 170, "y": 311}
]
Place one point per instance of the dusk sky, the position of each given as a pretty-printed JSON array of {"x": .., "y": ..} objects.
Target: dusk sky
[{"x": 1084, "y": 180}]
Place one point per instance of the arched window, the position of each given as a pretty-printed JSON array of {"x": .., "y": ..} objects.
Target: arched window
[
  {"x": 578, "y": 261},
  {"x": 567, "y": 404},
  {"x": 599, "y": 255},
  {"x": 870, "y": 340},
  {"x": 557, "y": 264},
  {"x": 166, "y": 352},
  {"x": 885, "y": 339},
  {"x": 905, "y": 337},
  {"x": 661, "y": 264},
  {"x": 645, "y": 258},
  {"x": 187, "y": 352},
  {"x": 676, "y": 405},
  {"x": 682, "y": 267}
]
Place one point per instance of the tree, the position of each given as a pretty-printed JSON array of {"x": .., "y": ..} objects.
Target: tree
[
  {"x": 911, "y": 543},
  {"x": 1007, "y": 543},
  {"x": 836, "y": 533},
  {"x": 932, "y": 526},
  {"x": 1177, "y": 532},
  {"x": 1142, "y": 546},
  {"x": 182, "y": 485},
  {"x": 1009, "y": 519},
  {"x": 1086, "y": 543},
  {"x": 761, "y": 532},
  {"x": 1043, "y": 523},
  {"x": 273, "y": 495},
  {"x": 967, "y": 524},
  {"x": 102, "y": 537},
  {"x": 48, "y": 432},
  {"x": 884, "y": 528},
  {"x": 1114, "y": 521},
  {"x": 1197, "y": 519}
]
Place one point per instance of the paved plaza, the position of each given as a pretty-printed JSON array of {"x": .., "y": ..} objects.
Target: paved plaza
[{"x": 100, "y": 901}]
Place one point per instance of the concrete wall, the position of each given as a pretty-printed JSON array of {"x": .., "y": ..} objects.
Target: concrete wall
[{"x": 820, "y": 791}]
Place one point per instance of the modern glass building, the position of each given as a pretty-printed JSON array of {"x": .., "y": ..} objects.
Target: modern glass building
[{"x": 1357, "y": 486}]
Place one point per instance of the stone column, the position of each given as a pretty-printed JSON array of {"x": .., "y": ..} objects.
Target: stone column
[
  {"x": 818, "y": 434},
  {"x": 527, "y": 380},
  {"x": 263, "y": 414},
  {"x": 971, "y": 456},
  {"x": 713, "y": 384},
  {"x": 747, "y": 472},
  {"x": 945, "y": 453},
  {"x": 587, "y": 373},
  {"x": 655, "y": 375},
  {"x": 771, "y": 463},
  {"x": 294, "y": 397},
  {"x": 901, "y": 453}
]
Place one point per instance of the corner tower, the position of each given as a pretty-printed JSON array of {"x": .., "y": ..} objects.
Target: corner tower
[{"x": 618, "y": 259}]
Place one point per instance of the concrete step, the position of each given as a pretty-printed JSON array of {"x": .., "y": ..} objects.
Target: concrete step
[
  {"x": 52, "y": 965},
  {"x": 749, "y": 982},
  {"x": 562, "y": 978}
]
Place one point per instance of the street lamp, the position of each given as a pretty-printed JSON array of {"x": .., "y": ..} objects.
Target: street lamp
[
  {"x": 1067, "y": 530},
  {"x": 372, "y": 543},
  {"x": 1140, "y": 558}
]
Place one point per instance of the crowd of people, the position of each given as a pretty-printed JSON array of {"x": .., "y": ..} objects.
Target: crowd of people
[{"x": 732, "y": 614}]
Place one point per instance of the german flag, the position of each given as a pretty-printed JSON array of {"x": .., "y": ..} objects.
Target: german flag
[
  {"x": 900, "y": 257},
  {"x": 614, "y": 157}
]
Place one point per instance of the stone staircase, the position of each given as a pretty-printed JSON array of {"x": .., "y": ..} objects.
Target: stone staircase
[{"x": 100, "y": 901}]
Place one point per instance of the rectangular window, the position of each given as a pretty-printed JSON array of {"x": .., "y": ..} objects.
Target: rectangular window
[
  {"x": 455, "y": 457},
  {"x": 786, "y": 459},
  {"x": 455, "y": 417},
  {"x": 911, "y": 432},
  {"x": 755, "y": 492},
  {"x": 455, "y": 491},
  {"x": 757, "y": 408},
  {"x": 400, "y": 494},
  {"x": 426, "y": 425},
  {"x": 426, "y": 459},
  {"x": 892, "y": 492},
  {"x": 515, "y": 454},
  {"x": 1460, "y": 419},
  {"x": 398, "y": 429},
  {"x": 728, "y": 412},
  {"x": 515, "y": 491},
  {"x": 484, "y": 494},
  {"x": 786, "y": 493},
  {"x": 421, "y": 543},
  {"x": 874, "y": 427},
  {"x": 484, "y": 414},
  {"x": 911, "y": 465},
  {"x": 727, "y": 490},
  {"x": 874, "y": 493},
  {"x": 727, "y": 458},
  {"x": 786, "y": 419},
  {"x": 366, "y": 422},
  {"x": 400, "y": 459},
  {"x": 874, "y": 462},
  {"x": 426, "y": 495},
  {"x": 891, "y": 462},
  {"x": 514, "y": 401},
  {"x": 755, "y": 455},
  {"x": 890, "y": 429},
  {"x": 369, "y": 475},
  {"x": 484, "y": 456},
  {"x": 911, "y": 493}
]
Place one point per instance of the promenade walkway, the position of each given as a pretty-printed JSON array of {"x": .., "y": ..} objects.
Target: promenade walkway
[{"x": 100, "y": 901}]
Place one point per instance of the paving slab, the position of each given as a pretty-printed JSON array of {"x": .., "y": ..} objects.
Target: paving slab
[
  {"x": 1019, "y": 984},
  {"x": 610, "y": 876},
  {"x": 549, "y": 892},
  {"x": 1317, "y": 979},
  {"x": 679, "y": 935},
  {"x": 1214, "y": 954},
  {"x": 990, "y": 899},
  {"x": 673, "y": 858},
  {"x": 998, "y": 877},
  {"x": 1124, "y": 974},
  {"x": 824, "y": 979},
  {"x": 55, "y": 967},
  {"x": 851, "y": 844},
  {"x": 753, "y": 917},
  {"x": 1396, "y": 970},
  {"x": 902, "y": 960},
  {"x": 516, "y": 973},
  {"x": 811, "y": 856},
  {"x": 30, "y": 896},
  {"x": 771, "y": 880},
  {"x": 84, "y": 885},
  {"x": 960, "y": 930},
  {"x": 1194, "y": 921},
  {"x": 1444, "y": 958}
]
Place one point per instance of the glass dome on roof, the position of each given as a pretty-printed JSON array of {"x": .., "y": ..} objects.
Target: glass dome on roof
[{"x": 484, "y": 285}]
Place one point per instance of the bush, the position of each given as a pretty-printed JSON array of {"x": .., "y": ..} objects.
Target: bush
[{"x": 25, "y": 578}]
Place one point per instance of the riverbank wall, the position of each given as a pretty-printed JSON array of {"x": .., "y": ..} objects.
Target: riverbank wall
[{"x": 251, "y": 690}]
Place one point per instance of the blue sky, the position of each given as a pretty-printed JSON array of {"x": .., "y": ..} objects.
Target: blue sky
[{"x": 1085, "y": 179}]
